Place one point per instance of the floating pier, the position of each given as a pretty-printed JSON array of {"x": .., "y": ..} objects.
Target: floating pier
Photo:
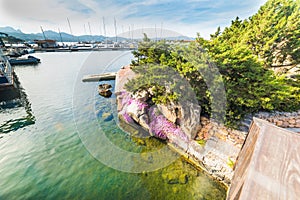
[{"x": 99, "y": 77}]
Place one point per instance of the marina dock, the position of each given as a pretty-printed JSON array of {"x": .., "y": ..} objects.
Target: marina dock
[{"x": 70, "y": 49}]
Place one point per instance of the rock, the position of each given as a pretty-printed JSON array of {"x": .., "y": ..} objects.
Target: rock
[
  {"x": 285, "y": 124},
  {"x": 119, "y": 103},
  {"x": 107, "y": 116},
  {"x": 142, "y": 96},
  {"x": 204, "y": 120},
  {"x": 170, "y": 112},
  {"x": 144, "y": 121},
  {"x": 279, "y": 123},
  {"x": 104, "y": 86},
  {"x": 190, "y": 118},
  {"x": 292, "y": 121},
  {"x": 221, "y": 136},
  {"x": 134, "y": 111},
  {"x": 105, "y": 93},
  {"x": 195, "y": 150},
  {"x": 186, "y": 114},
  {"x": 99, "y": 113}
]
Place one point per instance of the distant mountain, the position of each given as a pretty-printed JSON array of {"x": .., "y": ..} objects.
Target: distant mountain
[
  {"x": 49, "y": 34},
  {"x": 65, "y": 37},
  {"x": 9, "y": 29}
]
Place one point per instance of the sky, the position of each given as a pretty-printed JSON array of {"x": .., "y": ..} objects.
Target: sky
[{"x": 185, "y": 17}]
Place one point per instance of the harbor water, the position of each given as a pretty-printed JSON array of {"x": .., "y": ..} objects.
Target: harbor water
[{"x": 45, "y": 152}]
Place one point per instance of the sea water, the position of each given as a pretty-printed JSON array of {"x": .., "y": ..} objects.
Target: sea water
[{"x": 51, "y": 143}]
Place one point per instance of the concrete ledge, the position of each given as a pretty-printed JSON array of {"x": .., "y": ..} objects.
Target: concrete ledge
[{"x": 99, "y": 77}]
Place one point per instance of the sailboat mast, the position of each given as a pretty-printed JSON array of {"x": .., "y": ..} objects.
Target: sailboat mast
[
  {"x": 71, "y": 29},
  {"x": 84, "y": 29},
  {"x": 104, "y": 30},
  {"x": 129, "y": 33},
  {"x": 69, "y": 26},
  {"x": 60, "y": 36},
  {"x": 43, "y": 33},
  {"x": 132, "y": 28},
  {"x": 90, "y": 31},
  {"x": 115, "y": 24}
]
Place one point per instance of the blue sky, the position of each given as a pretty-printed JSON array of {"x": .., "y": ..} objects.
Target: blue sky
[{"x": 187, "y": 17}]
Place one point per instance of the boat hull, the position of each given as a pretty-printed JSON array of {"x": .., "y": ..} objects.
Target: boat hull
[{"x": 29, "y": 61}]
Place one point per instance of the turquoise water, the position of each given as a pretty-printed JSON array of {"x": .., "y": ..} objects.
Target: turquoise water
[{"x": 52, "y": 147}]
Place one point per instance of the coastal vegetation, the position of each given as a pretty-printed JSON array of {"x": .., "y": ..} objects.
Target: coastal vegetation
[{"x": 245, "y": 54}]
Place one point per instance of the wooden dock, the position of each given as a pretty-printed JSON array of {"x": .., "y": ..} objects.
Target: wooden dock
[
  {"x": 268, "y": 166},
  {"x": 99, "y": 77}
]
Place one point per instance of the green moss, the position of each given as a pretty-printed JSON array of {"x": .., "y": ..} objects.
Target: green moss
[
  {"x": 201, "y": 142},
  {"x": 230, "y": 163}
]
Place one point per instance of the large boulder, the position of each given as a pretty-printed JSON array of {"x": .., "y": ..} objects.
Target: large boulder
[
  {"x": 141, "y": 95},
  {"x": 104, "y": 90},
  {"x": 104, "y": 86},
  {"x": 105, "y": 93},
  {"x": 185, "y": 114}
]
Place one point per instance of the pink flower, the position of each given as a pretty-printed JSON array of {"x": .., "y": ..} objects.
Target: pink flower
[
  {"x": 127, "y": 118},
  {"x": 159, "y": 126}
]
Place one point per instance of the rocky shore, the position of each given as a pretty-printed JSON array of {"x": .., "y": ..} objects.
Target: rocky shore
[
  {"x": 204, "y": 143},
  {"x": 215, "y": 148}
]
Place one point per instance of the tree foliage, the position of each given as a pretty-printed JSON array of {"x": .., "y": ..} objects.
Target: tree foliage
[
  {"x": 272, "y": 34},
  {"x": 243, "y": 54}
]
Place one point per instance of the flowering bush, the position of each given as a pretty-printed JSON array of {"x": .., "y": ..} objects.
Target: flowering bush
[
  {"x": 127, "y": 118},
  {"x": 159, "y": 126},
  {"x": 162, "y": 127}
]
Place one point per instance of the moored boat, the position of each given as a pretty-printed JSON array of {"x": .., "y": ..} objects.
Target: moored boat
[{"x": 24, "y": 61}]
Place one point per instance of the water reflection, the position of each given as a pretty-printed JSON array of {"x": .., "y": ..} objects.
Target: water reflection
[{"x": 15, "y": 104}]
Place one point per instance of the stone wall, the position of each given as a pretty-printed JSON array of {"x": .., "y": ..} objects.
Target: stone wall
[
  {"x": 282, "y": 119},
  {"x": 289, "y": 120}
]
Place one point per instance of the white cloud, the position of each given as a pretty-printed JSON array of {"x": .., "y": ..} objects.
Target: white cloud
[{"x": 29, "y": 15}]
